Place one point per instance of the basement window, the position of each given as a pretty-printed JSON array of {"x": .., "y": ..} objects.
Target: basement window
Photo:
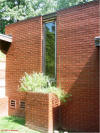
[
  {"x": 49, "y": 49},
  {"x": 22, "y": 104},
  {"x": 13, "y": 103}
]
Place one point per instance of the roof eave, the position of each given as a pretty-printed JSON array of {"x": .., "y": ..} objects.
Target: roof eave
[{"x": 6, "y": 38}]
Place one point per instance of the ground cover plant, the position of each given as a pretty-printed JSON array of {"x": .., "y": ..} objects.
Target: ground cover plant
[{"x": 12, "y": 124}]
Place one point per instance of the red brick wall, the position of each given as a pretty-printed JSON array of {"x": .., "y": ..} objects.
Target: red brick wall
[
  {"x": 39, "y": 113},
  {"x": 24, "y": 55},
  {"x": 78, "y": 66},
  {"x": 77, "y": 63},
  {"x": 17, "y": 111}
]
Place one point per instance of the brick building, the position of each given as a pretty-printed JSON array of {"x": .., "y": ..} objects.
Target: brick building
[{"x": 75, "y": 61}]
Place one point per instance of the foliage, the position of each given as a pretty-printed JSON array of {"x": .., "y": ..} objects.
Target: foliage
[
  {"x": 34, "y": 81},
  {"x": 38, "y": 82},
  {"x": 15, "y": 10},
  {"x": 14, "y": 123},
  {"x": 50, "y": 49},
  {"x": 67, "y": 3}
]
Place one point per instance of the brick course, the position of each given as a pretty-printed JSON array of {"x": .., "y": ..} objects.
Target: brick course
[
  {"x": 39, "y": 114},
  {"x": 78, "y": 66},
  {"x": 24, "y": 55},
  {"x": 17, "y": 111}
]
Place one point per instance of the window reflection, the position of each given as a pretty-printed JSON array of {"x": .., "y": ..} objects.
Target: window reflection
[{"x": 50, "y": 49}]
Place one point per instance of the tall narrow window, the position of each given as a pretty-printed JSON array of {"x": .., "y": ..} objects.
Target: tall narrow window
[{"x": 49, "y": 63}]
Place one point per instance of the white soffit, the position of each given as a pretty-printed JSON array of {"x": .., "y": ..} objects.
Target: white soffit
[{"x": 5, "y": 38}]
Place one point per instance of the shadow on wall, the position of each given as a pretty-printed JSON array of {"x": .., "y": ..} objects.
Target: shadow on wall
[
  {"x": 56, "y": 117},
  {"x": 82, "y": 112},
  {"x": 4, "y": 47}
]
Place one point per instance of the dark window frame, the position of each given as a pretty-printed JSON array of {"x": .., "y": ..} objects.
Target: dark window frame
[
  {"x": 43, "y": 49},
  {"x": 22, "y": 104},
  {"x": 11, "y": 104}
]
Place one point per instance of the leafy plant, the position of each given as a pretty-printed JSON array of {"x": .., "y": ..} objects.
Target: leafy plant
[{"x": 38, "y": 82}]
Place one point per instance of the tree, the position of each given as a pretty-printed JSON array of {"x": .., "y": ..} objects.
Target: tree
[
  {"x": 15, "y": 10},
  {"x": 67, "y": 3}
]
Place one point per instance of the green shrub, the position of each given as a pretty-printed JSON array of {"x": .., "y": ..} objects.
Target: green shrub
[{"x": 38, "y": 82}]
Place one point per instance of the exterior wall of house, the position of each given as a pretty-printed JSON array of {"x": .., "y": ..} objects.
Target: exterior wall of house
[
  {"x": 24, "y": 55},
  {"x": 78, "y": 66}
]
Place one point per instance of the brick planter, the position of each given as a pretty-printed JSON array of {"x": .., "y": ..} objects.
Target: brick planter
[{"x": 40, "y": 112}]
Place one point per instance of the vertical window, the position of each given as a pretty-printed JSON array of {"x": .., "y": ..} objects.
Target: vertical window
[{"x": 49, "y": 49}]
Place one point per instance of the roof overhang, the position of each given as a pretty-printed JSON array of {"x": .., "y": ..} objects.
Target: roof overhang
[
  {"x": 5, "y": 38},
  {"x": 5, "y": 42},
  {"x": 49, "y": 17}
]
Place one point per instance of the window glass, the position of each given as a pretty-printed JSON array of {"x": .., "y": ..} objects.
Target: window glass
[{"x": 50, "y": 49}]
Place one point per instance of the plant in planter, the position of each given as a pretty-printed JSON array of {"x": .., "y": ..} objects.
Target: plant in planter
[
  {"x": 38, "y": 82},
  {"x": 42, "y": 106}
]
